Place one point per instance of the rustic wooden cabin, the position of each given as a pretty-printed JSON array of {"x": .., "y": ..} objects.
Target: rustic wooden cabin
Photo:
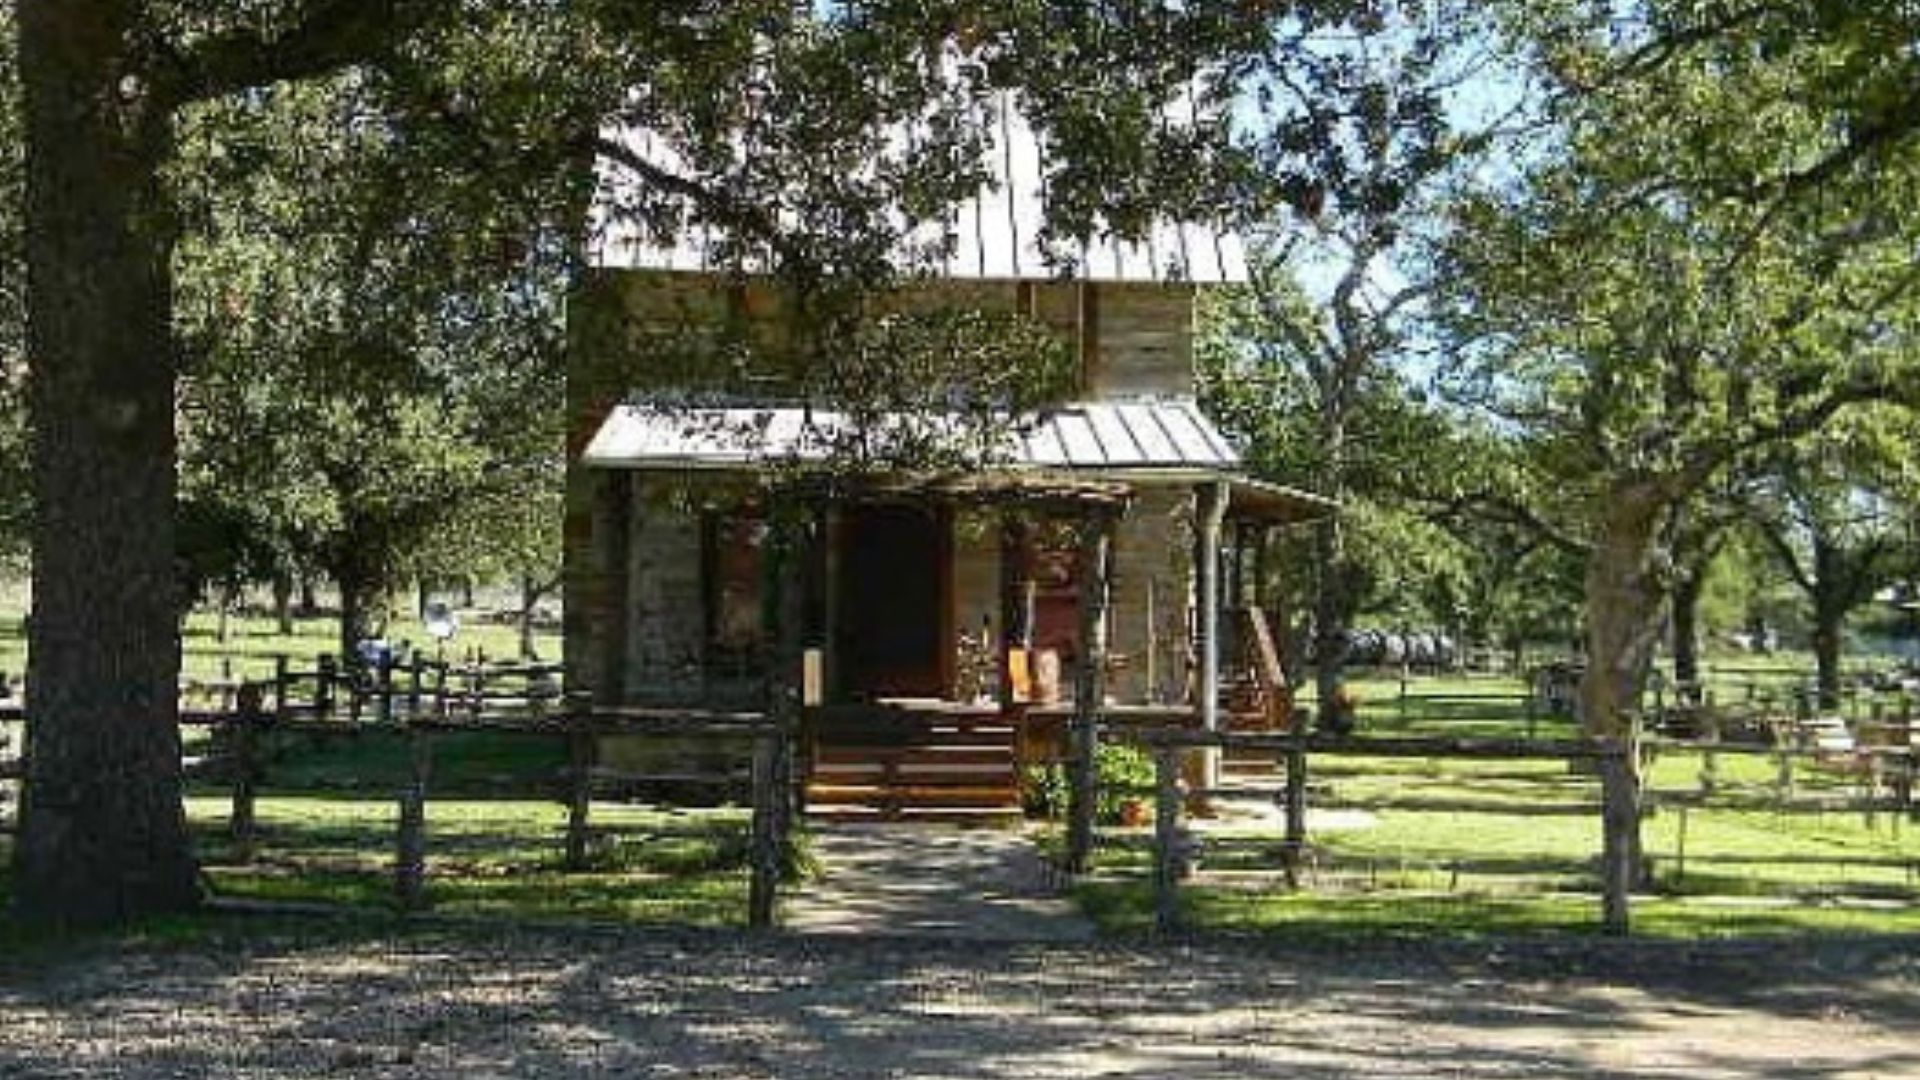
[{"x": 945, "y": 620}]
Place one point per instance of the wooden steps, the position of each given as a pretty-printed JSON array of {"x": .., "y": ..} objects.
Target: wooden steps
[{"x": 916, "y": 767}]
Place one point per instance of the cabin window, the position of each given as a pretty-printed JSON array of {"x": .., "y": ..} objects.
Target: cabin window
[{"x": 735, "y": 542}]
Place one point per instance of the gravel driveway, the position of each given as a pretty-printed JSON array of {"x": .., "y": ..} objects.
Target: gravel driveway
[{"x": 492, "y": 1001}]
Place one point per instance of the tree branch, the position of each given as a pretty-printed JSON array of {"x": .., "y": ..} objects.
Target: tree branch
[
  {"x": 1789, "y": 559},
  {"x": 327, "y": 35},
  {"x": 716, "y": 205},
  {"x": 1509, "y": 511}
]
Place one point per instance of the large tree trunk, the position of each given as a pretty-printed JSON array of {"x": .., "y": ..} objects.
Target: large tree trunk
[
  {"x": 359, "y": 596},
  {"x": 1330, "y": 620},
  {"x": 1333, "y": 600},
  {"x": 529, "y": 596},
  {"x": 283, "y": 604},
  {"x": 1829, "y": 616},
  {"x": 1623, "y": 595},
  {"x": 1687, "y": 587},
  {"x": 103, "y": 835},
  {"x": 1829, "y": 621}
]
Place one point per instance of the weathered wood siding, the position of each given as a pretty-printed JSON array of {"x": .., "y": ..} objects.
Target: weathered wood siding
[
  {"x": 1145, "y": 341},
  {"x": 658, "y": 330},
  {"x": 1152, "y": 588},
  {"x": 653, "y": 330}
]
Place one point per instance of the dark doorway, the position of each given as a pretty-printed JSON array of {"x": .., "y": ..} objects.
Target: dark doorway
[{"x": 894, "y": 601}]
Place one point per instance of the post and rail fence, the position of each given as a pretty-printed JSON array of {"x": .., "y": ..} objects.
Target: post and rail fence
[{"x": 424, "y": 700}]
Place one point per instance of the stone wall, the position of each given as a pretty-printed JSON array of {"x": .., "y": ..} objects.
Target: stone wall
[{"x": 665, "y": 614}]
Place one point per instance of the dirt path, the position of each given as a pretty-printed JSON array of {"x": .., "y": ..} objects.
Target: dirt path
[
  {"x": 493, "y": 1002},
  {"x": 931, "y": 881}
]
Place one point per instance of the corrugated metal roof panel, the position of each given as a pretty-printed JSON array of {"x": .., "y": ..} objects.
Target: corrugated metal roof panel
[
  {"x": 996, "y": 233},
  {"x": 1143, "y": 435},
  {"x": 1083, "y": 450},
  {"x": 1042, "y": 446},
  {"x": 1116, "y": 440},
  {"x": 1147, "y": 435},
  {"x": 1188, "y": 437}
]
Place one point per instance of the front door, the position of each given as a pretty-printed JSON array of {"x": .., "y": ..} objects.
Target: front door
[{"x": 893, "y": 601}]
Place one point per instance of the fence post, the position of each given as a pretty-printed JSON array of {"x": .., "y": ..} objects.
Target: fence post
[
  {"x": 1784, "y": 743},
  {"x": 1090, "y": 684},
  {"x": 282, "y": 684},
  {"x": 1903, "y": 782},
  {"x": 1874, "y": 778},
  {"x": 1293, "y": 851},
  {"x": 1168, "y": 857},
  {"x": 580, "y": 789},
  {"x": 1619, "y": 817},
  {"x": 477, "y": 683},
  {"x": 410, "y": 846},
  {"x": 240, "y": 822},
  {"x": 323, "y": 685},
  {"x": 1710, "y": 759},
  {"x": 765, "y": 844},
  {"x": 416, "y": 664},
  {"x": 383, "y": 685}
]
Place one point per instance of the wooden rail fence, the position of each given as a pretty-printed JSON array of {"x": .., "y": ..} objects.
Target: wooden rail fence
[
  {"x": 424, "y": 700},
  {"x": 1619, "y": 765}
]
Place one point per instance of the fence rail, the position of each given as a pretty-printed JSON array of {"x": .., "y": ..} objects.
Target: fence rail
[
  {"x": 372, "y": 701},
  {"x": 1619, "y": 766}
]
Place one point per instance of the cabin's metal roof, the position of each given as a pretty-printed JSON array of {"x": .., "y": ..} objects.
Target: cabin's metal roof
[
  {"x": 1169, "y": 436},
  {"x": 995, "y": 235}
]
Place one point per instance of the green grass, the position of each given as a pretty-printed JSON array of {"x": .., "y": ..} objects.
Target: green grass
[
  {"x": 477, "y": 763},
  {"x": 647, "y": 865},
  {"x": 253, "y": 641},
  {"x": 1127, "y": 908},
  {"x": 1461, "y": 847}
]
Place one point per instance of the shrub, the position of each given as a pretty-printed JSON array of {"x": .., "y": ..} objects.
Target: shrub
[{"x": 1125, "y": 774}]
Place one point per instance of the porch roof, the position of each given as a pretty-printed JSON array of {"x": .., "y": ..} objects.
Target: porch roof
[
  {"x": 1263, "y": 502},
  {"x": 1164, "y": 438}
]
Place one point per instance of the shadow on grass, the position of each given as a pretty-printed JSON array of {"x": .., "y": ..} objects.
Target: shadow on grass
[
  {"x": 1127, "y": 908},
  {"x": 380, "y": 762},
  {"x": 645, "y": 864}
]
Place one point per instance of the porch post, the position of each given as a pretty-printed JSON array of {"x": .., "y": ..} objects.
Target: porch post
[
  {"x": 830, "y": 571},
  {"x": 1090, "y": 680},
  {"x": 783, "y": 622},
  {"x": 1260, "y": 586},
  {"x": 1014, "y": 631},
  {"x": 1209, "y": 513}
]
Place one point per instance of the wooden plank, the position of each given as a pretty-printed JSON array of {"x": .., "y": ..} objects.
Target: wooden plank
[
  {"x": 410, "y": 843},
  {"x": 246, "y": 773},
  {"x": 580, "y": 751},
  {"x": 1090, "y": 683},
  {"x": 1166, "y": 840},
  {"x": 1320, "y": 743},
  {"x": 1293, "y": 853},
  {"x": 765, "y": 855}
]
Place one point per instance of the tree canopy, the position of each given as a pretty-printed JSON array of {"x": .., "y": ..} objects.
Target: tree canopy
[{"x": 779, "y": 114}]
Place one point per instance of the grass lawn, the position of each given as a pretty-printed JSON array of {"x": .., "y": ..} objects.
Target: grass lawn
[
  {"x": 253, "y": 641},
  {"x": 1449, "y": 847},
  {"x": 650, "y": 864}
]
